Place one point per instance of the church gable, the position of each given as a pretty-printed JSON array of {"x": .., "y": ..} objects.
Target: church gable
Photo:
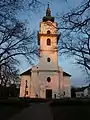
[
  {"x": 27, "y": 72},
  {"x": 66, "y": 74}
]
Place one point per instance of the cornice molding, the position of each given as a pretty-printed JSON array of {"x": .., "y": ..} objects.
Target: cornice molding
[{"x": 45, "y": 71}]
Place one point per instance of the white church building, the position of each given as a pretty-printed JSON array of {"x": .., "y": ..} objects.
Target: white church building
[{"x": 46, "y": 79}]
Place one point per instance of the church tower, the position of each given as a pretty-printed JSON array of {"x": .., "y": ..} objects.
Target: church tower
[
  {"x": 48, "y": 64},
  {"x": 47, "y": 39},
  {"x": 46, "y": 79}
]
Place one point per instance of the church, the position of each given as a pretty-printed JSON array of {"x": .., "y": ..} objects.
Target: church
[{"x": 46, "y": 79}]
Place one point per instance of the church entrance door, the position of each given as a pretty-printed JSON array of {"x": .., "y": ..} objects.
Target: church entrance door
[{"x": 49, "y": 93}]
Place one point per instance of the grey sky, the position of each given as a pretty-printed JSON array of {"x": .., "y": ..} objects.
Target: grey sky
[{"x": 78, "y": 77}]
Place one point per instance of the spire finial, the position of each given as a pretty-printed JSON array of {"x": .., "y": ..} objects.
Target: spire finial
[{"x": 48, "y": 4}]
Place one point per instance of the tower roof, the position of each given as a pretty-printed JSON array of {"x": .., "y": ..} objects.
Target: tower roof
[
  {"x": 48, "y": 11},
  {"x": 48, "y": 15}
]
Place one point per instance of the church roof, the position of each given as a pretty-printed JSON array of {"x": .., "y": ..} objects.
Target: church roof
[
  {"x": 27, "y": 72},
  {"x": 66, "y": 74}
]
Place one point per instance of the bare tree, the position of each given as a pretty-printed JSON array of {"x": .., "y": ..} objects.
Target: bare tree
[
  {"x": 9, "y": 74},
  {"x": 75, "y": 34},
  {"x": 15, "y": 39}
]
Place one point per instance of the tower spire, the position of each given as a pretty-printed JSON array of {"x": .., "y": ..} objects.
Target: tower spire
[
  {"x": 48, "y": 11},
  {"x": 48, "y": 5},
  {"x": 48, "y": 15}
]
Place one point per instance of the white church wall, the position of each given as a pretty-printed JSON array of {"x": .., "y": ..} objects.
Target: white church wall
[
  {"x": 34, "y": 84},
  {"x": 67, "y": 88},
  {"x": 43, "y": 43},
  {"x": 45, "y": 65},
  {"x": 23, "y": 83},
  {"x": 48, "y": 26},
  {"x": 40, "y": 82}
]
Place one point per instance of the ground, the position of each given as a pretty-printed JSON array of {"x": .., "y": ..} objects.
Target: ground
[
  {"x": 43, "y": 110},
  {"x": 37, "y": 111}
]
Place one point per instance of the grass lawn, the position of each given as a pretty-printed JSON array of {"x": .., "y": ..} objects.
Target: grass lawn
[
  {"x": 71, "y": 110},
  {"x": 10, "y": 107},
  {"x": 8, "y": 111}
]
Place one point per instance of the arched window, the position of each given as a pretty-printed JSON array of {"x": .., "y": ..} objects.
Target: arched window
[
  {"x": 26, "y": 84},
  {"x": 48, "y": 59},
  {"x": 48, "y": 41},
  {"x": 26, "y": 93},
  {"x": 48, "y": 79},
  {"x": 48, "y": 32}
]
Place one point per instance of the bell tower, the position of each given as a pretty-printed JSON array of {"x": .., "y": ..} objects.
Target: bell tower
[
  {"x": 48, "y": 39},
  {"x": 48, "y": 63}
]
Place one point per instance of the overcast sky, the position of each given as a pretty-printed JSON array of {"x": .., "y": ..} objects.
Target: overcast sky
[{"x": 78, "y": 77}]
